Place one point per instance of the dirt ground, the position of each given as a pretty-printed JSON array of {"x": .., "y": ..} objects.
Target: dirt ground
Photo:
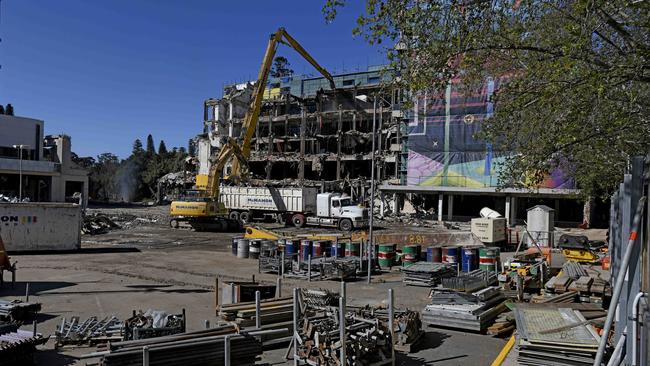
[{"x": 148, "y": 265}]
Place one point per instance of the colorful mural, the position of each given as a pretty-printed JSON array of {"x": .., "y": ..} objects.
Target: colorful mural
[{"x": 443, "y": 148}]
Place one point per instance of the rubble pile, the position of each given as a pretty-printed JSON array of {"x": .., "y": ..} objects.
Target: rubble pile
[
  {"x": 94, "y": 224},
  {"x": 12, "y": 199}
]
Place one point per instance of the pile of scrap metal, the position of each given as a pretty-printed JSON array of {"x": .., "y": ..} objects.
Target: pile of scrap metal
[
  {"x": 6, "y": 265},
  {"x": 327, "y": 268},
  {"x": 153, "y": 323},
  {"x": 427, "y": 274},
  {"x": 275, "y": 314},
  {"x": 204, "y": 347},
  {"x": 367, "y": 341},
  {"x": 97, "y": 223},
  {"x": 470, "y": 281},
  {"x": 474, "y": 312},
  {"x": 18, "y": 311},
  {"x": 557, "y": 335},
  {"x": 91, "y": 331},
  {"x": 575, "y": 279},
  {"x": 407, "y": 325},
  {"x": 17, "y": 347}
]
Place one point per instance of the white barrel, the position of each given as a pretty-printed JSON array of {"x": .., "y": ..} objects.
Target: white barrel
[
  {"x": 489, "y": 213},
  {"x": 254, "y": 248},
  {"x": 242, "y": 248}
]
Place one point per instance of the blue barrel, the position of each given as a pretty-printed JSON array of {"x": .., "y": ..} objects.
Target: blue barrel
[
  {"x": 305, "y": 249},
  {"x": 434, "y": 254},
  {"x": 289, "y": 248},
  {"x": 469, "y": 258},
  {"x": 338, "y": 250}
]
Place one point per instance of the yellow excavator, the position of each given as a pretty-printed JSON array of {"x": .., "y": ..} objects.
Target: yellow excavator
[{"x": 202, "y": 209}]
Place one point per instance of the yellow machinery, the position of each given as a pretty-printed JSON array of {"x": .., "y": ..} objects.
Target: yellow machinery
[
  {"x": 256, "y": 232},
  {"x": 202, "y": 209}
]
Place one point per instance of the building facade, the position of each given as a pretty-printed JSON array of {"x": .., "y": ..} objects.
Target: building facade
[{"x": 46, "y": 168}]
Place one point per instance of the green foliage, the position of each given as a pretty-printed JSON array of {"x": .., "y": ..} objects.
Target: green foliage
[
  {"x": 574, "y": 75},
  {"x": 151, "y": 150},
  {"x": 162, "y": 148},
  {"x": 134, "y": 178},
  {"x": 280, "y": 67}
]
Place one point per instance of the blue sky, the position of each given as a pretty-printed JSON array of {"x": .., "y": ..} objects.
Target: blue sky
[{"x": 108, "y": 72}]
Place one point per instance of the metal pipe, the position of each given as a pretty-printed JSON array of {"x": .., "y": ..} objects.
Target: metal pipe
[
  {"x": 372, "y": 186},
  {"x": 27, "y": 292},
  {"x": 145, "y": 356},
  {"x": 635, "y": 327},
  {"x": 342, "y": 328},
  {"x": 278, "y": 287},
  {"x": 391, "y": 323},
  {"x": 282, "y": 264},
  {"x": 309, "y": 268},
  {"x": 226, "y": 351},
  {"x": 296, "y": 316},
  {"x": 258, "y": 318},
  {"x": 615, "y": 359},
  {"x": 620, "y": 278}
]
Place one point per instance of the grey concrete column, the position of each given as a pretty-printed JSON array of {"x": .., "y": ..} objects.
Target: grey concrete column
[
  {"x": 440, "y": 197},
  {"x": 450, "y": 207}
]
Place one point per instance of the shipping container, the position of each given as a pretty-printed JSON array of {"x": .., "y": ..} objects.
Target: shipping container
[{"x": 40, "y": 226}]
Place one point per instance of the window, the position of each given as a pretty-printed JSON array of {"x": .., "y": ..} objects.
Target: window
[
  {"x": 336, "y": 203},
  {"x": 374, "y": 80},
  {"x": 348, "y": 82}
]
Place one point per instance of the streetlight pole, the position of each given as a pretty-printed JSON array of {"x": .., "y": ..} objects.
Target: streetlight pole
[
  {"x": 20, "y": 170},
  {"x": 371, "y": 242}
]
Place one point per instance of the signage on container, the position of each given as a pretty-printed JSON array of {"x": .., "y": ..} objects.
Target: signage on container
[{"x": 15, "y": 219}]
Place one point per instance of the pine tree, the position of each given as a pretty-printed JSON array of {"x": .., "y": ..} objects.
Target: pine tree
[
  {"x": 137, "y": 148},
  {"x": 151, "y": 150},
  {"x": 191, "y": 149},
  {"x": 162, "y": 148}
]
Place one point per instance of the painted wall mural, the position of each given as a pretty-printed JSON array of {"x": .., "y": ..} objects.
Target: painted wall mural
[{"x": 443, "y": 150}]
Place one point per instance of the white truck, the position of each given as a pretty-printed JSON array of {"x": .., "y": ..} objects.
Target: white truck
[{"x": 298, "y": 206}]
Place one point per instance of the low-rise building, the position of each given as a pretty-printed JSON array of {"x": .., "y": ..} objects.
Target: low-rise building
[{"x": 46, "y": 168}]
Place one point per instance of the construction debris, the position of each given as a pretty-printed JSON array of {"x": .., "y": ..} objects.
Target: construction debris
[
  {"x": 91, "y": 331},
  {"x": 427, "y": 274},
  {"x": 153, "y": 323},
  {"x": 554, "y": 336},
  {"x": 18, "y": 311},
  {"x": 474, "y": 312},
  {"x": 470, "y": 281},
  {"x": 17, "y": 347},
  {"x": 206, "y": 347},
  {"x": 94, "y": 224}
]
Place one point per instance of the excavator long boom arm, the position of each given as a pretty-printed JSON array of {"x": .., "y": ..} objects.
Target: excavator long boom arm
[{"x": 252, "y": 115}]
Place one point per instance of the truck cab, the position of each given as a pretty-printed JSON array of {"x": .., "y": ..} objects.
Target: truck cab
[{"x": 335, "y": 209}]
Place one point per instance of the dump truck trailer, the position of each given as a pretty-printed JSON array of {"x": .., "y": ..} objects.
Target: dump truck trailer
[{"x": 298, "y": 206}]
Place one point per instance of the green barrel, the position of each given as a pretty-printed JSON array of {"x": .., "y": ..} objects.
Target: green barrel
[
  {"x": 386, "y": 255},
  {"x": 410, "y": 255},
  {"x": 488, "y": 259},
  {"x": 352, "y": 250}
]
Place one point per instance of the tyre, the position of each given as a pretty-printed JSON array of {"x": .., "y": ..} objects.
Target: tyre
[
  {"x": 173, "y": 223},
  {"x": 245, "y": 217},
  {"x": 298, "y": 220},
  {"x": 233, "y": 215},
  {"x": 345, "y": 224}
]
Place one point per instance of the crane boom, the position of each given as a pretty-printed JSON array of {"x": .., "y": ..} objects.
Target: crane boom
[{"x": 252, "y": 115}]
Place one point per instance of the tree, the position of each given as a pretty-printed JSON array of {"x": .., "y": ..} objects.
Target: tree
[
  {"x": 281, "y": 67},
  {"x": 162, "y": 148},
  {"x": 191, "y": 148},
  {"x": 137, "y": 148},
  {"x": 151, "y": 150},
  {"x": 574, "y": 76}
]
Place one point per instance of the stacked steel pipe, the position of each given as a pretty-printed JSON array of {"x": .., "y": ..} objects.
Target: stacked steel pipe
[{"x": 17, "y": 348}]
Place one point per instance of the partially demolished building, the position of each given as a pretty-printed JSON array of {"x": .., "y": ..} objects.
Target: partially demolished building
[
  {"x": 308, "y": 134},
  {"x": 428, "y": 157}
]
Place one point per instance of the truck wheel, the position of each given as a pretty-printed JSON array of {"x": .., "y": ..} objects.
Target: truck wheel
[
  {"x": 233, "y": 215},
  {"x": 173, "y": 223},
  {"x": 281, "y": 219},
  {"x": 245, "y": 217},
  {"x": 298, "y": 220},
  {"x": 345, "y": 225}
]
